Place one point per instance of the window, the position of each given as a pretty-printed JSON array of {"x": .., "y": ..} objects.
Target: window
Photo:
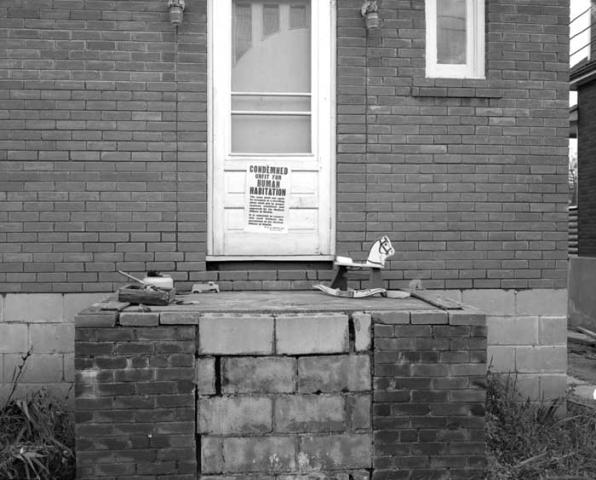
[
  {"x": 271, "y": 77},
  {"x": 455, "y": 38}
]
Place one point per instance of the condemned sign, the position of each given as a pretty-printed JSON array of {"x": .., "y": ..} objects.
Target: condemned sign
[{"x": 267, "y": 198}]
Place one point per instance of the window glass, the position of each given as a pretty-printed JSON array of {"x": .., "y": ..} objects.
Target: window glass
[
  {"x": 271, "y": 77},
  {"x": 455, "y": 31},
  {"x": 451, "y": 32}
]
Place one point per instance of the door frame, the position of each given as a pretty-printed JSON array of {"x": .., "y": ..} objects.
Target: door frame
[{"x": 323, "y": 58}]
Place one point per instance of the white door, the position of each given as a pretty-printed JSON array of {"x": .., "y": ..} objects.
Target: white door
[{"x": 272, "y": 144}]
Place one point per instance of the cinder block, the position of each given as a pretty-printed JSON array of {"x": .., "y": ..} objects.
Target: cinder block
[
  {"x": 553, "y": 330},
  {"x": 260, "y": 454},
  {"x": 68, "y": 366},
  {"x": 553, "y": 386},
  {"x": 309, "y": 413},
  {"x": 258, "y": 375},
  {"x": 501, "y": 358},
  {"x": 77, "y": 302},
  {"x": 358, "y": 407},
  {"x": 15, "y": 338},
  {"x": 541, "y": 359},
  {"x": 52, "y": 337},
  {"x": 39, "y": 368},
  {"x": 211, "y": 454},
  {"x": 311, "y": 333},
  {"x": 334, "y": 452},
  {"x": 512, "y": 330},
  {"x": 236, "y": 334},
  {"x": 234, "y": 415},
  {"x": 548, "y": 302},
  {"x": 33, "y": 307},
  {"x": 205, "y": 376},
  {"x": 334, "y": 373},
  {"x": 362, "y": 330},
  {"x": 493, "y": 302},
  {"x": 527, "y": 386}
]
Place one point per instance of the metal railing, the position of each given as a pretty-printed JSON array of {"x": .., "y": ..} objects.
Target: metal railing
[{"x": 580, "y": 35}]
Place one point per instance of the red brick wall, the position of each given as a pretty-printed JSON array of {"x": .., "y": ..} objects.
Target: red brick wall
[
  {"x": 468, "y": 177},
  {"x": 103, "y": 148}
]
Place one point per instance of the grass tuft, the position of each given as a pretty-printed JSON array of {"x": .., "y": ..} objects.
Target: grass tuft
[
  {"x": 529, "y": 441},
  {"x": 36, "y": 435}
]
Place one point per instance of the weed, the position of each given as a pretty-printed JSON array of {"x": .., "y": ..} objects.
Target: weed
[
  {"x": 36, "y": 435},
  {"x": 530, "y": 441}
]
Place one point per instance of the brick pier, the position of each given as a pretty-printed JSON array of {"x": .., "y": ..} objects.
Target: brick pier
[{"x": 313, "y": 387}]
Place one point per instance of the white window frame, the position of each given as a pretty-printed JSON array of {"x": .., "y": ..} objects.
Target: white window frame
[{"x": 475, "y": 43}]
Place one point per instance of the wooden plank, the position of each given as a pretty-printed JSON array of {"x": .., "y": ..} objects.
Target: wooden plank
[{"x": 437, "y": 301}]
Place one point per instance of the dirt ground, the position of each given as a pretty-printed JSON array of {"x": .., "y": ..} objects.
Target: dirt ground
[{"x": 581, "y": 357}]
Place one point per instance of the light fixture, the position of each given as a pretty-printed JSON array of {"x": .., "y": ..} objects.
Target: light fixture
[
  {"x": 370, "y": 12},
  {"x": 176, "y": 11}
]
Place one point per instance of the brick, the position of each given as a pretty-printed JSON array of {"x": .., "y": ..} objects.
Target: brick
[
  {"x": 309, "y": 413},
  {"x": 105, "y": 319},
  {"x": 179, "y": 318},
  {"x": 234, "y": 415},
  {"x": 15, "y": 338},
  {"x": 205, "y": 376},
  {"x": 336, "y": 451},
  {"x": 51, "y": 338},
  {"x": 308, "y": 333},
  {"x": 258, "y": 375},
  {"x": 362, "y": 330},
  {"x": 34, "y": 307},
  {"x": 512, "y": 330},
  {"x": 260, "y": 454},
  {"x": 239, "y": 334},
  {"x": 335, "y": 373},
  {"x": 391, "y": 317},
  {"x": 138, "y": 319},
  {"x": 428, "y": 318}
]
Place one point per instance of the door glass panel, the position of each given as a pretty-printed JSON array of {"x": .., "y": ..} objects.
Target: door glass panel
[
  {"x": 272, "y": 55},
  {"x": 271, "y": 133},
  {"x": 451, "y": 32}
]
